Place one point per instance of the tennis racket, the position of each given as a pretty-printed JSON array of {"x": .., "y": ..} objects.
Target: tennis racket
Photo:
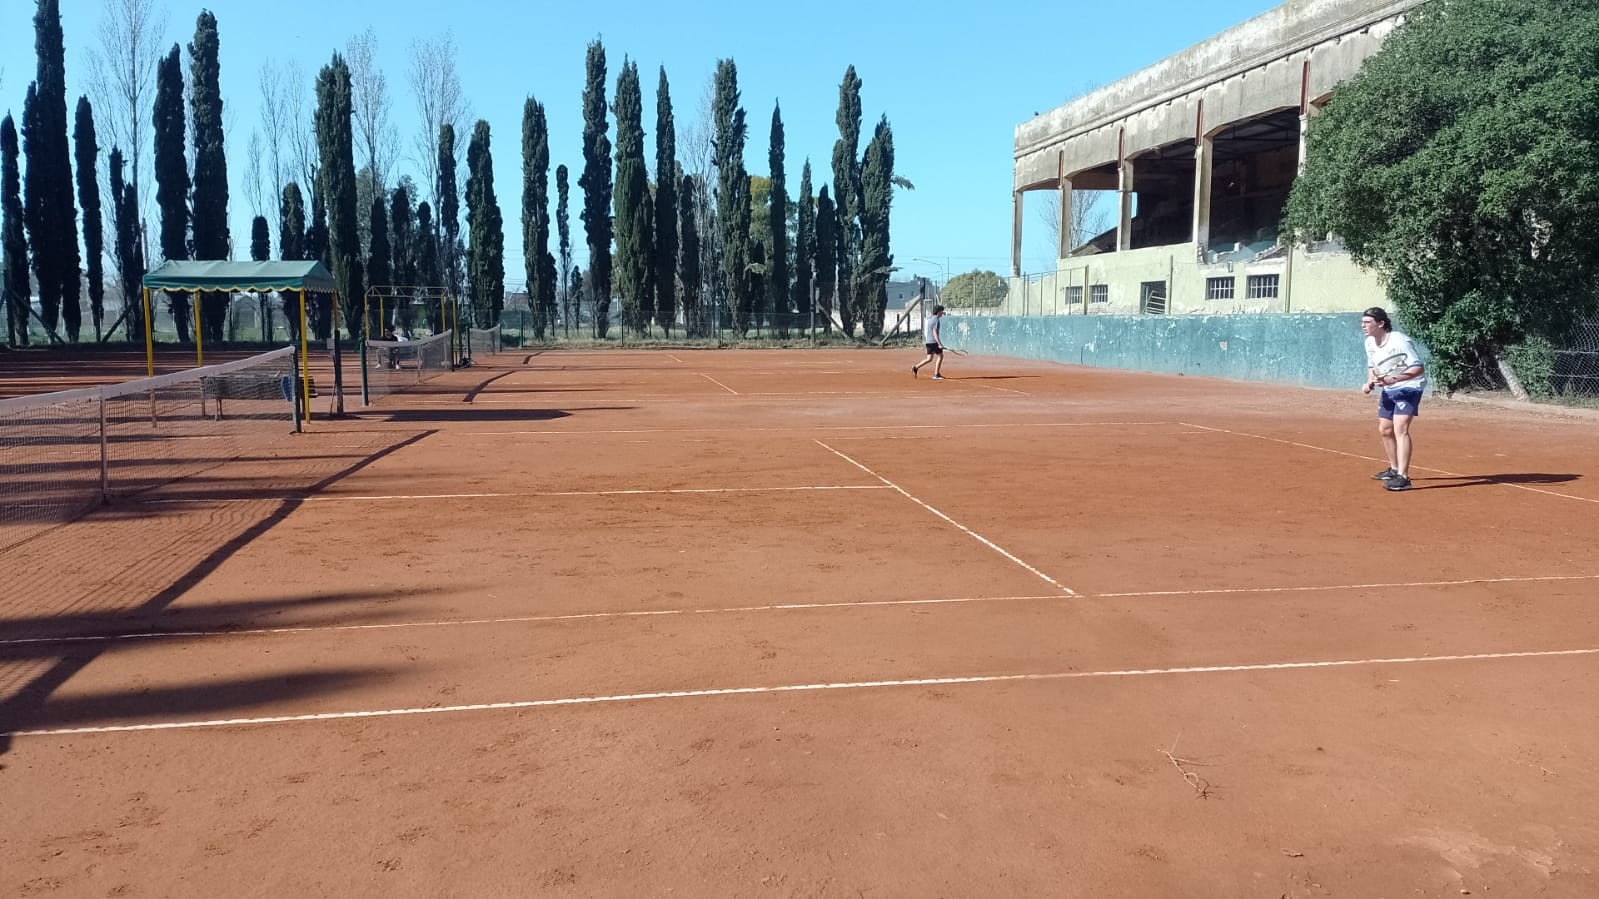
[{"x": 956, "y": 352}]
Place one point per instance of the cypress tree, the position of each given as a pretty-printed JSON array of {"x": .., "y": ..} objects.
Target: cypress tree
[
  {"x": 777, "y": 280},
  {"x": 55, "y": 244},
  {"x": 846, "y": 196},
  {"x": 261, "y": 251},
  {"x": 449, "y": 211},
  {"x": 733, "y": 194},
  {"x": 536, "y": 215},
  {"x": 379, "y": 265},
  {"x": 596, "y": 184},
  {"x": 14, "y": 291},
  {"x": 563, "y": 228},
  {"x": 129, "y": 249},
  {"x": 402, "y": 234},
  {"x": 291, "y": 245},
  {"x": 428, "y": 270},
  {"x": 172, "y": 178},
  {"x": 336, "y": 145},
  {"x": 318, "y": 306},
  {"x": 666, "y": 237},
  {"x": 635, "y": 259},
  {"x": 694, "y": 321},
  {"x": 826, "y": 257},
  {"x": 211, "y": 237},
  {"x": 486, "y": 252},
  {"x": 804, "y": 248},
  {"x": 877, "y": 195},
  {"x": 86, "y": 149}
]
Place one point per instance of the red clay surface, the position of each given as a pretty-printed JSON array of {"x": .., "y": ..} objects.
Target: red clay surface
[{"x": 764, "y": 623}]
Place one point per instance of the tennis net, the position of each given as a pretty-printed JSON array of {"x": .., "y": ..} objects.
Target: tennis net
[
  {"x": 62, "y": 454},
  {"x": 390, "y": 366},
  {"x": 482, "y": 341}
]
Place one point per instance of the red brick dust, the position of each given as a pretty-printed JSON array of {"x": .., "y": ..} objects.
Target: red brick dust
[{"x": 795, "y": 623}]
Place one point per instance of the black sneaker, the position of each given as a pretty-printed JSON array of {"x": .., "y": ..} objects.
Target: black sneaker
[
  {"x": 914, "y": 371},
  {"x": 1397, "y": 482},
  {"x": 1385, "y": 474}
]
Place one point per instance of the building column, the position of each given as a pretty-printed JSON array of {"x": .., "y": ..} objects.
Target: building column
[
  {"x": 1016, "y": 234},
  {"x": 1124, "y": 224},
  {"x": 1066, "y": 236},
  {"x": 1204, "y": 165},
  {"x": 1304, "y": 128}
]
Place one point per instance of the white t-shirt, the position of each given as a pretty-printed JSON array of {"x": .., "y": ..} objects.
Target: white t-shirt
[
  {"x": 930, "y": 330},
  {"x": 1396, "y": 353}
]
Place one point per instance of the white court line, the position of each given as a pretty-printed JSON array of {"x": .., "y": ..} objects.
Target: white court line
[
  {"x": 969, "y": 532},
  {"x": 1000, "y": 389},
  {"x": 717, "y": 383},
  {"x": 794, "y": 688},
  {"x": 740, "y": 610},
  {"x": 1020, "y": 424},
  {"x": 675, "y": 359},
  {"x": 313, "y": 498},
  {"x": 1445, "y": 472}
]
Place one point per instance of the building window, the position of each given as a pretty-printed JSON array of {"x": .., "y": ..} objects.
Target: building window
[
  {"x": 1219, "y": 288},
  {"x": 1099, "y": 293},
  {"x": 1263, "y": 287},
  {"x": 1152, "y": 297},
  {"x": 1074, "y": 297}
]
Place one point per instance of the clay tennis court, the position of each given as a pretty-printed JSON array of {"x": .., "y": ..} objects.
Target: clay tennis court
[{"x": 793, "y": 623}]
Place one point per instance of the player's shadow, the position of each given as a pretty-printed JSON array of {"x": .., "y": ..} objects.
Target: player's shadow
[
  {"x": 991, "y": 377},
  {"x": 1489, "y": 480}
]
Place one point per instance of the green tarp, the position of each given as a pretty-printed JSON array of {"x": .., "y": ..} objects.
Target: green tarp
[{"x": 242, "y": 276}]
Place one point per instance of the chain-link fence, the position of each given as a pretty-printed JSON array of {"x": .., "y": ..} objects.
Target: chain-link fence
[{"x": 1566, "y": 371}]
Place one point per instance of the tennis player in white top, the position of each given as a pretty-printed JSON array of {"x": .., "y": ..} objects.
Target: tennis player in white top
[
  {"x": 1395, "y": 370},
  {"x": 935, "y": 346}
]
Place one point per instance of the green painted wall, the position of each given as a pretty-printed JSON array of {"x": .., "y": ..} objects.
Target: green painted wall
[{"x": 1309, "y": 350}]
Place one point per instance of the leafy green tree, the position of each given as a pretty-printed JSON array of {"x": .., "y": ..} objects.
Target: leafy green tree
[
  {"x": 335, "y": 145},
  {"x": 211, "y": 238},
  {"x": 826, "y": 256},
  {"x": 694, "y": 319},
  {"x": 877, "y": 196},
  {"x": 778, "y": 284},
  {"x": 129, "y": 249},
  {"x": 733, "y": 194},
  {"x": 13, "y": 239},
  {"x": 1461, "y": 164},
  {"x": 563, "y": 228},
  {"x": 804, "y": 248},
  {"x": 973, "y": 290},
  {"x": 87, "y": 150},
  {"x": 596, "y": 184},
  {"x": 536, "y": 215},
  {"x": 52, "y": 215},
  {"x": 172, "y": 177},
  {"x": 666, "y": 238},
  {"x": 635, "y": 256},
  {"x": 847, "y": 198},
  {"x": 486, "y": 227},
  {"x": 449, "y": 211}
]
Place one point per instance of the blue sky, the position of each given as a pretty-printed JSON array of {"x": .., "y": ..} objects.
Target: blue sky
[{"x": 954, "y": 79}]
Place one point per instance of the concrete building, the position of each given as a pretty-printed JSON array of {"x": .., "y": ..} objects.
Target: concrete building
[{"x": 1201, "y": 150}]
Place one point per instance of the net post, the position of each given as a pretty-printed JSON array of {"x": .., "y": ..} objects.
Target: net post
[
  {"x": 338, "y": 362},
  {"x": 305, "y": 360},
  {"x": 149, "y": 337},
  {"x": 294, "y": 389}
]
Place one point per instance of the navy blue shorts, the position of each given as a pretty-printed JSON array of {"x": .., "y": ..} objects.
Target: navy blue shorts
[
  {"x": 934, "y": 349},
  {"x": 1403, "y": 401}
]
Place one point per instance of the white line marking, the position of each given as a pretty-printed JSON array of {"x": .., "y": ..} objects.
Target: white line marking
[
  {"x": 675, "y": 359},
  {"x": 1445, "y": 472},
  {"x": 777, "y": 607},
  {"x": 336, "y": 498},
  {"x": 792, "y": 688},
  {"x": 717, "y": 383},
  {"x": 1001, "y": 389},
  {"x": 969, "y": 532},
  {"x": 1022, "y": 424}
]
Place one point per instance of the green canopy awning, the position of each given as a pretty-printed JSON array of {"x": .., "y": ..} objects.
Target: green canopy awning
[{"x": 276, "y": 275}]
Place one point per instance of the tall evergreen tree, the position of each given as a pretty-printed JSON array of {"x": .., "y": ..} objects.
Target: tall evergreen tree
[
  {"x": 826, "y": 257},
  {"x": 777, "y": 270},
  {"x": 291, "y": 245},
  {"x": 337, "y": 151},
  {"x": 666, "y": 237},
  {"x": 635, "y": 257},
  {"x": 172, "y": 177},
  {"x": 379, "y": 263},
  {"x": 563, "y": 228},
  {"x": 733, "y": 194},
  {"x": 211, "y": 237},
  {"x": 694, "y": 320},
  {"x": 429, "y": 271},
  {"x": 14, "y": 290},
  {"x": 449, "y": 210},
  {"x": 486, "y": 228},
  {"x": 402, "y": 234},
  {"x": 536, "y": 215},
  {"x": 877, "y": 195},
  {"x": 129, "y": 249},
  {"x": 847, "y": 196},
  {"x": 596, "y": 184},
  {"x": 261, "y": 251},
  {"x": 55, "y": 244},
  {"x": 804, "y": 248},
  {"x": 86, "y": 149},
  {"x": 319, "y": 307}
]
